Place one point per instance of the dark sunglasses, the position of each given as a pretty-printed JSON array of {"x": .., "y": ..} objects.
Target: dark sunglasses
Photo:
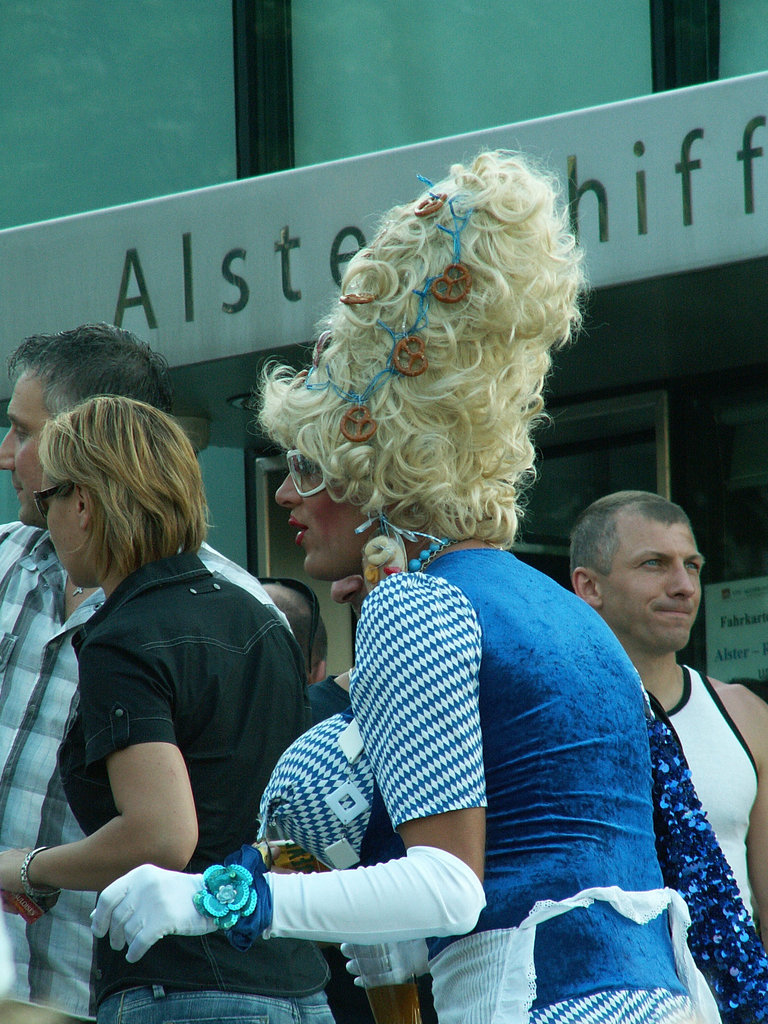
[
  {"x": 43, "y": 497},
  {"x": 311, "y": 597}
]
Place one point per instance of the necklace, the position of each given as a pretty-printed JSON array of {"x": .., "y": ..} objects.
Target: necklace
[{"x": 428, "y": 554}]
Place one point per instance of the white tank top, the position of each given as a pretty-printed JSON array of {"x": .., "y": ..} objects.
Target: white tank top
[{"x": 722, "y": 769}]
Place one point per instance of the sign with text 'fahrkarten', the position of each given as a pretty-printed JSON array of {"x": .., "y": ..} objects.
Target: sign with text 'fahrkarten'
[{"x": 737, "y": 629}]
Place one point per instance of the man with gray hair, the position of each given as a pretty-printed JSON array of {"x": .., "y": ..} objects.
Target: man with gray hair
[
  {"x": 40, "y": 610},
  {"x": 634, "y": 560}
]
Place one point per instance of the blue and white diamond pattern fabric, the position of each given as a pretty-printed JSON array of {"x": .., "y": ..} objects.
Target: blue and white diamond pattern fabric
[
  {"x": 414, "y": 691},
  {"x": 315, "y": 796},
  {"x": 623, "y": 1007}
]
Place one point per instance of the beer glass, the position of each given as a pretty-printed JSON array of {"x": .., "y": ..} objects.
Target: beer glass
[{"x": 390, "y": 987}]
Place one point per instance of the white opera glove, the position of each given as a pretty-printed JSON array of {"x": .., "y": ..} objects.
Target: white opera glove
[
  {"x": 427, "y": 892},
  {"x": 146, "y": 904},
  {"x": 387, "y": 963}
]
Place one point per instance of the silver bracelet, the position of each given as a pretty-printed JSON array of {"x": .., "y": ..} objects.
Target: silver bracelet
[{"x": 26, "y": 885}]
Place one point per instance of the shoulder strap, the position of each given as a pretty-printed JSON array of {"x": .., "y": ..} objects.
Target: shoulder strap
[{"x": 717, "y": 701}]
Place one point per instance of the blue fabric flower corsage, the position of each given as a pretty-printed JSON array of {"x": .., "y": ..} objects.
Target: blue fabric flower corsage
[
  {"x": 237, "y": 896},
  {"x": 228, "y": 894}
]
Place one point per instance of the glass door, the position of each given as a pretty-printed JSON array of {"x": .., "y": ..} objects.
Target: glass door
[{"x": 588, "y": 450}]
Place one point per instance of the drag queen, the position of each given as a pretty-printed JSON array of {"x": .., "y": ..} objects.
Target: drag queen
[{"x": 503, "y": 723}]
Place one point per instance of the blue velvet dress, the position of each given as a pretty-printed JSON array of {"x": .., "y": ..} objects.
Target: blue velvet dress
[{"x": 483, "y": 682}]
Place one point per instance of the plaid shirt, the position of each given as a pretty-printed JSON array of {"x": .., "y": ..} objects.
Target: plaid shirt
[{"x": 38, "y": 699}]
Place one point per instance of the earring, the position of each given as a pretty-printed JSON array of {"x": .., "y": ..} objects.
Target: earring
[{"x": 382, "y": 556}]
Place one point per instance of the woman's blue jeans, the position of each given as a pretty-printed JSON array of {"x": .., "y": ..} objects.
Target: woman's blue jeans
[{"x": 154, "y": 1005}]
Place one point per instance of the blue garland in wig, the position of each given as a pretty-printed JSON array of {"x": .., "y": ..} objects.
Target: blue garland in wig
[
  {"x": 421, "y": 320},
  {"x": 722, "y": 937}
]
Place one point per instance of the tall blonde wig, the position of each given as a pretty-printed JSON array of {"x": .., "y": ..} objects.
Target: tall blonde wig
[
  {"x": 452, "y": 449},
  {"x": 141, "y": 473}
]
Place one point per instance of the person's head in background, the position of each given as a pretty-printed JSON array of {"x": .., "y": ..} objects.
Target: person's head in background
[
  {"x": 634, "y": 560},
  {"x": 122, "y": 489},
  {"x": 51, "y": 373},
  {"x": 298, "y": 602}
]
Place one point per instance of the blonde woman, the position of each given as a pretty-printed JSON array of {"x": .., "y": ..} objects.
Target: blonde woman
[
  {"x": 503, "y": 723},
  {"x": 189, "y": 691}
]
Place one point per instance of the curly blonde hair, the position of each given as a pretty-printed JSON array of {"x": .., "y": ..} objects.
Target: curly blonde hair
[{"x": 452, "y": 450}]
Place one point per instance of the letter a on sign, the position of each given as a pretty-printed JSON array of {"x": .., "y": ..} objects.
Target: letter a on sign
[{"x": 132, "y": 262}]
